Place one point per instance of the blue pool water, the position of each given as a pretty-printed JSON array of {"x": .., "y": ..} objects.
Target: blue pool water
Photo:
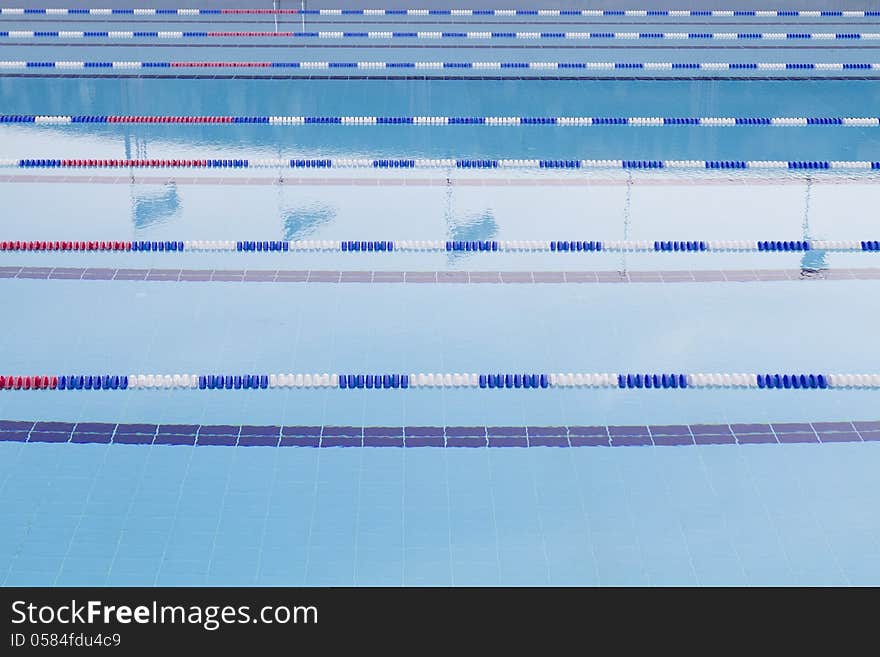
[{"x": 154, "y": 514}]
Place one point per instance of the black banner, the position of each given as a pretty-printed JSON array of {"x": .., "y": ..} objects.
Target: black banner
[{"x": 131, "y": 620}]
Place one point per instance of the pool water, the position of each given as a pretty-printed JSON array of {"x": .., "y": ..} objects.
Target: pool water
[{"x": 725, "y": 484}]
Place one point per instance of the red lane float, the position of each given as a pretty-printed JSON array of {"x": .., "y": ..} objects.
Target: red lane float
[
  {"x": 259, "y": 11},
  {"x": 79, "y": 164},
  {"x": 169, "y": 119},
  {"x": 37, "y": 382},
  {"x": 221, "y": 64},
  {"x": 251, "y": 34},
  {"x": 42, "y": 245}
]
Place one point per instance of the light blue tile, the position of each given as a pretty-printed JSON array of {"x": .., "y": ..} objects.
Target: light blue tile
[
  {"x": 30, "y": 578},
  {"x": 524, "y": 567},
  {"x": 375, "y": 568},
  {"x": 330, "y": 573},
  {"x": 671, "y": 571},
  {"x": 470, "y": 573},
  {"x": 146, "y": 566},
  {"x": 184, "y": 579},
  {"x": 631, "y": 517},
  {"x": 37, "y": 563},
  {"x": 573, "y": 573},
  {"x": 81, "y": 577},
  {"x": 130, "y": 579},
  {"x": 183, "y": 567}
]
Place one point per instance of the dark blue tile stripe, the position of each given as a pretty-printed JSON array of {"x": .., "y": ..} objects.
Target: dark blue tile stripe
[
  {"x": 447, "y": 277},
  {"x": 439, "y": 436}
]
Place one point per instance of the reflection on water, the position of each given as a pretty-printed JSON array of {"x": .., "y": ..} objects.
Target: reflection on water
[
  {"x": 149, "y": 210},
  {"x": 481, "y": 226},
  {"x": 814, "y": 260},
  {"x": 299, "y": 223},
  {"x": 627, "y": 216},
  {"x": 477, "y": 227},
  {"x": 107, "y": 96}
]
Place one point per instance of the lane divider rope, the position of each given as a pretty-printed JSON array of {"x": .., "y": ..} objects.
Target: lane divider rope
[
  {"x": 434, "y": 35},
  {"x": 592, "y": 13},
  {"x": 440, "y": 163},
  {"x": 535, "y": 381},
  {"x": 482, "y": 66},
  {"x": 445, "y": 246},
  {"x": 577, "y": 121}
]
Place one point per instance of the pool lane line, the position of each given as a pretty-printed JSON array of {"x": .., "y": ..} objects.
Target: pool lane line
[
  {"x": 435, "y": 121},
  {"x": 443, "y": 246},
  {"x": 408, "y": 164},
  {"x": 613, "y": 13},
  {"x": 824, "y": 23},
  {"x": 642, "y": 380},
  {"x": 453, "y": 277},
  {"x": 848, "y": 37},
  {"x": 447, "y": 47},
  {"x": 438, "y": 436},
  {"x": 742, "y": 67}
]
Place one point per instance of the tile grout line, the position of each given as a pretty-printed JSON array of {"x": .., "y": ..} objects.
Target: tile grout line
[{"x": 438, "y": 277}]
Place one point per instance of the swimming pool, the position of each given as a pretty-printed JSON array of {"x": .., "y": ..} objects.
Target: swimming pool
[{"x": 252, "y": 326}]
